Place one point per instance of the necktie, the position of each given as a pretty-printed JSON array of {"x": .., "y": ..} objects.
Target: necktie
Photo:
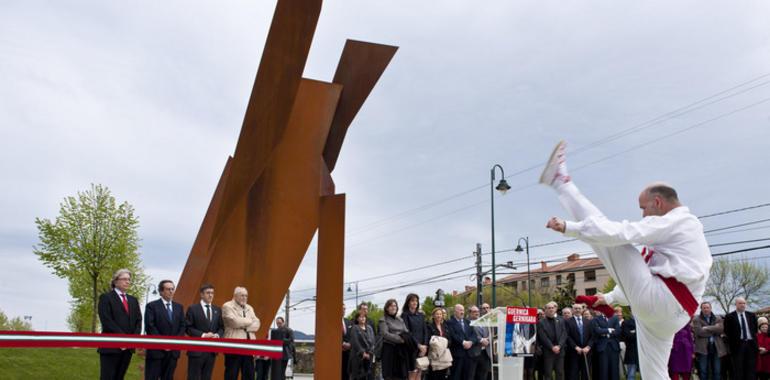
[
  {"x": 247, "y": 331},
  {"x": 744, "y": 332},
  {"x": 580, "y": 329},
  {"x": 170, "y": 311},
  {"x": 125, "y": 302},
  {"x": 208, "y": 312}
]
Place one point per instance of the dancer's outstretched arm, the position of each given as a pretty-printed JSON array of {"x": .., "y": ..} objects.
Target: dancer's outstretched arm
[
  {"x": 598, "y": 230},
  {"x": 616, "y": 297}
]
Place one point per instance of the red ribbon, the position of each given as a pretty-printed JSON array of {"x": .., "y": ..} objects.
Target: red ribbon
[{"x": 19, "y": 339}]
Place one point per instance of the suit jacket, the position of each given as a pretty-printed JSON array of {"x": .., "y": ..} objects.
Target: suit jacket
[
  {"x": 733, "y": 330},
  {"x": 286, "y": 335},
  {"x": 573, "y": 335},
  {"x": 115, "y": 320},
  {"x": 549, "y": 336},
  {"x": 603, "y": 339},
  {"x": 628, "y": 335},
  {"x": 197, "y": 324},
  {"x": 156, "y": 322},
  {"x": 238, "y": 326},
  {"x": 703, "y": 330},
  {"x": 348, "y": 325},
  {"x": 476, "y": 350},
  {"x": 458, "y": 332}
]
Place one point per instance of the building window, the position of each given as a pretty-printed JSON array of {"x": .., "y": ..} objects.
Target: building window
[
  {"x": 514, "y": 284},
  {"x": 558, "y": 280},
  {"x": 531, "y": 284},
  {"x": 590, "y": 291},
  {"x": 590, "y": 275},
  {"x": 571, "y": 277},
  {"x": 545, "y": 282}
]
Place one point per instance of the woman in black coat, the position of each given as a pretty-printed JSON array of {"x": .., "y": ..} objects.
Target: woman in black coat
[
  {"x": 415, "y": 323},
  {"x": 397, "y": 358},
  {"x": 361, "y": 348}
]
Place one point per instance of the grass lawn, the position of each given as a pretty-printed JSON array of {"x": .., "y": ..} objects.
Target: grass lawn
[{"x": 56, "y": 363}]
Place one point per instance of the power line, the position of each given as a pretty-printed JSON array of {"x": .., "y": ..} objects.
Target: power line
[
  {"x": 736, "y": 226},
  {"x": 466, "y": 257},
  {"x": 734, "y": 210},
  {"x": 638, "y": 127},
  {"x": 581, "y": 167}
]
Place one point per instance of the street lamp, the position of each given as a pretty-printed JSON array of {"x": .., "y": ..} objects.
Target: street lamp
[
  {"x": 502, "y": 187},
  {"x": 351, "y": 289},
  {"x": 529, "y": 282}
]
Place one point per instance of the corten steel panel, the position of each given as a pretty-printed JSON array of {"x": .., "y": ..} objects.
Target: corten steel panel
[
  {"x": 198, "y": 259},
  {"x": 327, "y": 182},
  {"x": 359, "y": 69},
  {"x": 272, "y": 98},
  {"x": 331, "y": 263},
  {"x": 226, "y": 270},
  {"x": 282, "y": 208}
]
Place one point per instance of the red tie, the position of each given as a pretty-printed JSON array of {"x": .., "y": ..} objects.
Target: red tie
[{"x": 125, "y": 302}]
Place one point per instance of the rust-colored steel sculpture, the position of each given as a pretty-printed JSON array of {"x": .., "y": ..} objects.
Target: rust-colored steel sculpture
[{"x": 277, "y": 189}]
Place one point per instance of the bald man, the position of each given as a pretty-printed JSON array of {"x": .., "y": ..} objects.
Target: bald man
[{"x": 665, "y": 283}]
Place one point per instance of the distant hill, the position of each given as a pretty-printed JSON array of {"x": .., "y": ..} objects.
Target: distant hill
[{"x": 299, "y": 335}]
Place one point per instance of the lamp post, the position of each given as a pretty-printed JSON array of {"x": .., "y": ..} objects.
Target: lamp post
[
  {"x": 502, "y": 187},
  {"x": 350, "y": 289},
  {"x": 529, "y": 282}
]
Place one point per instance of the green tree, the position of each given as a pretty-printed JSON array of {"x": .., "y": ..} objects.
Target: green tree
[
  {"x": 13, "y": 324},
  {"x": 729, "y": 280},
  {"x": 91, "y": 238}
]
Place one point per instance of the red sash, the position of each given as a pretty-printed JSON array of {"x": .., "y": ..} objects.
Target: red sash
[{"x": 680, "y": 291}]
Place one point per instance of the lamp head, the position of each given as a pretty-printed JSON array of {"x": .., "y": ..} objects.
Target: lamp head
[
  {"x": 518, "y": 248},
  {"x": 503, "y": 186}
]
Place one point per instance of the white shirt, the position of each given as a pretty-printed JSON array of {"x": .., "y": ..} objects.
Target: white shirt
[{"x": 677, "y": 240}]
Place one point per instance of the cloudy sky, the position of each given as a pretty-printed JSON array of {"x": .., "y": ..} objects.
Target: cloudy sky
[{"x": 148, "y": 97}]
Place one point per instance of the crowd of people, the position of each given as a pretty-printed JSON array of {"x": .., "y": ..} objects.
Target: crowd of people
[
  {"x": 119, "y": 313},
  {"x": 407, "y": 345},
  {"x": 575, "y": 342}
]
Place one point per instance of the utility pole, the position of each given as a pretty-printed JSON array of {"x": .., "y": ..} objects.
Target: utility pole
[
  {"x": 479, "y": 279},
  {"x": 286, "y": 314}
]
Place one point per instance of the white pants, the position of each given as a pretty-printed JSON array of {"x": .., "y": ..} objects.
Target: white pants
[{"x": 659, "y": 316}]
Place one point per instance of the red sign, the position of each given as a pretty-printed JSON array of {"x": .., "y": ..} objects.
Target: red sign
[{"x": 526, "y": 315}]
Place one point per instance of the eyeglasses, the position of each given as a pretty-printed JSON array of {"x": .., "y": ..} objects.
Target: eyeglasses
[{"x": 124, "y": 278}]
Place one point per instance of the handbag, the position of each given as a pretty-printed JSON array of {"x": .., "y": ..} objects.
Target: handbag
[{"x": 422, "y": 363}]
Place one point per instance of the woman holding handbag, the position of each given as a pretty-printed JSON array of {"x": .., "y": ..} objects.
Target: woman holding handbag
[{"x": 438, "y": 351}]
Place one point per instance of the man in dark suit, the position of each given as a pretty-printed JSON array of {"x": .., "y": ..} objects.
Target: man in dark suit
[
  {"x": 552, "y": 336},
  {"x": 607, "y": 346},
  {"x": 579, "y": 342},
  {"x": 119, "y": 314},
  {"x": 346, "y": 325},
  {"x": 462, "y": 338},
  {"x": 203, "y": 320},
  {"x": 480, "y": 353},
  {"x": 163, "y": 317},
  {"x": 741, "y": 331},
  {"x": 285, "y": 334}
]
